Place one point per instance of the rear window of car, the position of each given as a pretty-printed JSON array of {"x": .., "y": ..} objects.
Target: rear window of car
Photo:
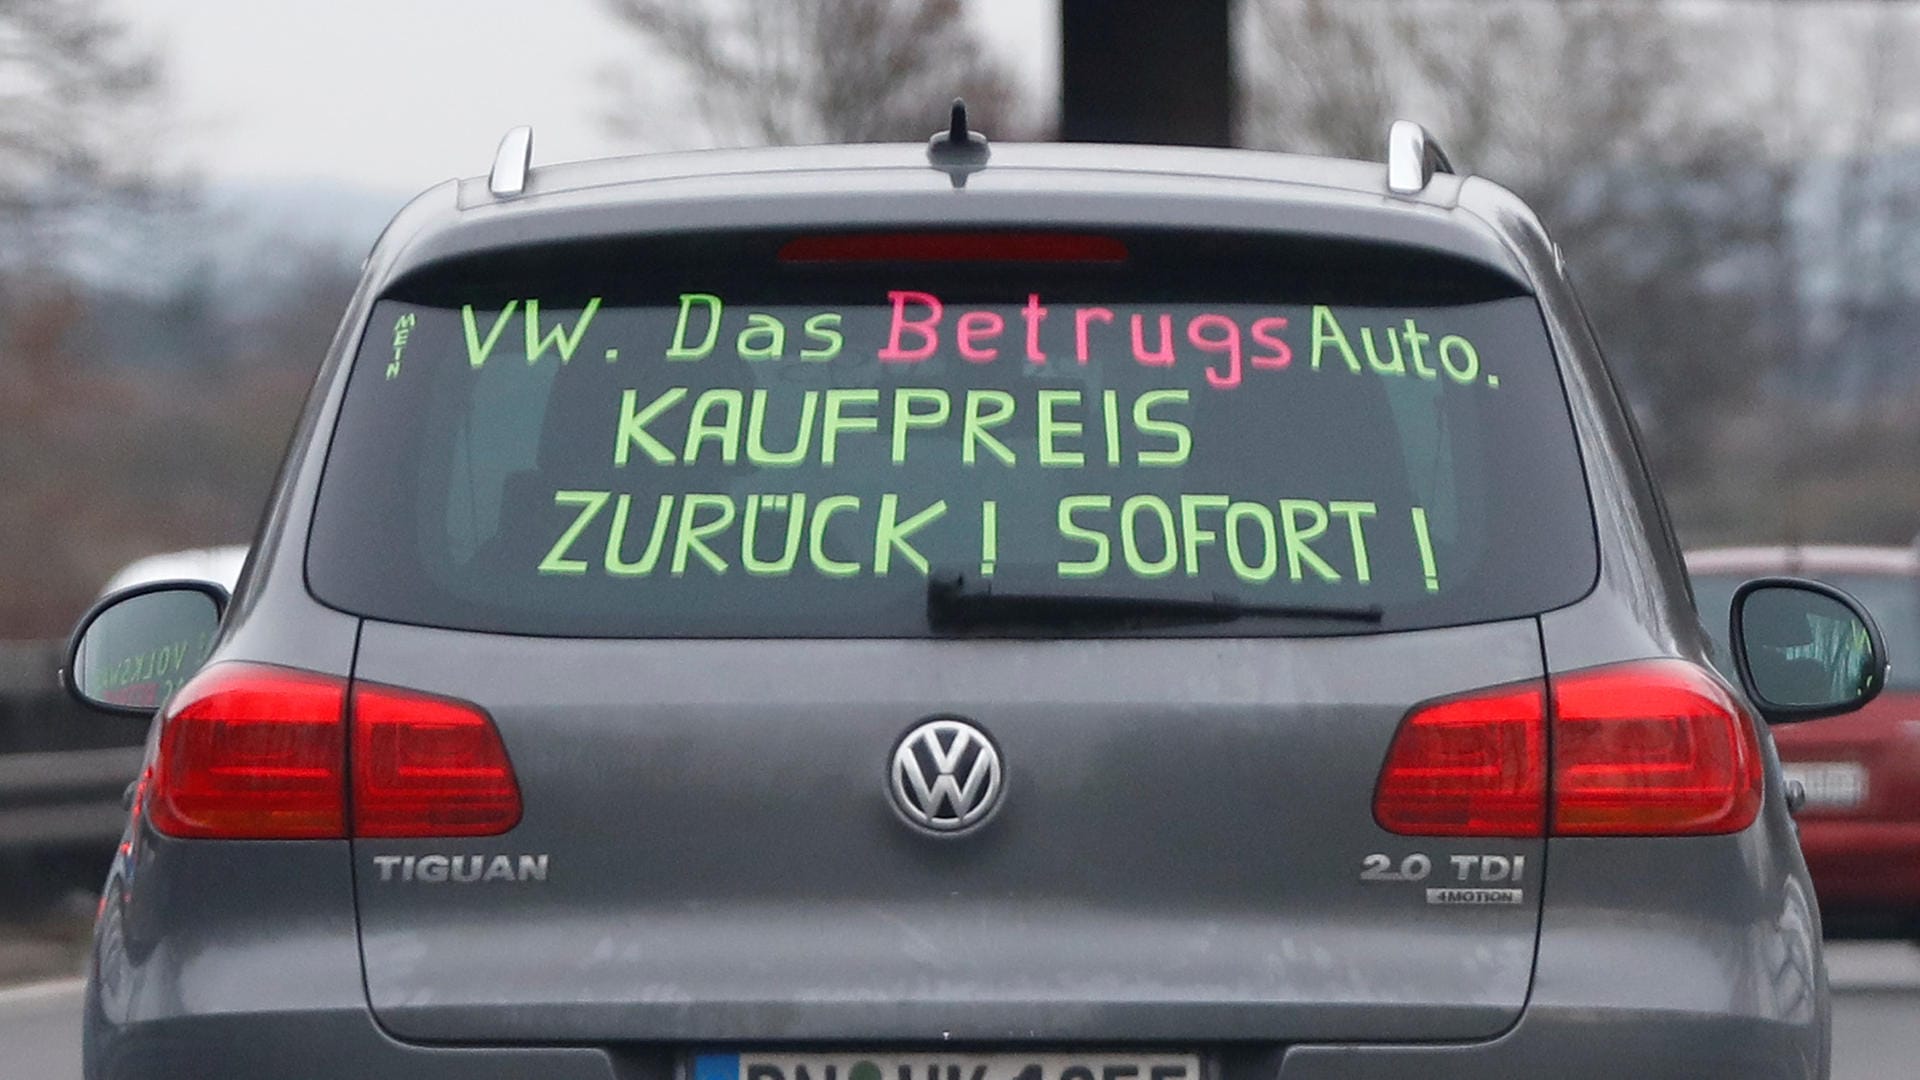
[
  {"x": 1892, "y": 599},
  {"x": 779, "y": 436}
]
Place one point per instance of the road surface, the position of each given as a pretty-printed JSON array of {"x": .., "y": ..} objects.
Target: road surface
[
  {"x": 1876, "y": 1019},
  {"x": 40, "y": 1031}
]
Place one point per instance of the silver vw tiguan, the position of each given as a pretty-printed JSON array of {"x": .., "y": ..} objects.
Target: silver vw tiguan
[{"x": 963, "y": 612}]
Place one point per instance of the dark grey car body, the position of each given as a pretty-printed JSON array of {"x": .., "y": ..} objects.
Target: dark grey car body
[{"x": 764, "y": 893}]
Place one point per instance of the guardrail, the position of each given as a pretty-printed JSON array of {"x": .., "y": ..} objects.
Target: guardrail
[
  {"x": 63, "y": 768},
  {"x": 31, "y": 709}
]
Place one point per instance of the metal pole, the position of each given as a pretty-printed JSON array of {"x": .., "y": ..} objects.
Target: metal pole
[{"x": 1147, "y": 71}]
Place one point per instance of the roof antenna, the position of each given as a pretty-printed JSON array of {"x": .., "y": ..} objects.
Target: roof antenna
[
  {"x": 958, "y": 133},
  {"x": 959, "y": 150}
]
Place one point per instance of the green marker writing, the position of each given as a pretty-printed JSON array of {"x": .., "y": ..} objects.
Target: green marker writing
[
  {"x": 989, "y": 536},
  {"x": 402, "y": 330},
  {"x": 1426, "y": 549}
]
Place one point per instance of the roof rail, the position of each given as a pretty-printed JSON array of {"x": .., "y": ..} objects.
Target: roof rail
[
  {"x": 511, "y": 163},
  {"x": 1412, "y": 158}
]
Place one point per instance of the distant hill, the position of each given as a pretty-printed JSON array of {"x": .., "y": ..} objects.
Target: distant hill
[{"x": 234, "y": 240}]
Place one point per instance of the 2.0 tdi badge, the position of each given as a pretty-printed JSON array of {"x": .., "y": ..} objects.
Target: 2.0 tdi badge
[{"x": 946, "y": 776}]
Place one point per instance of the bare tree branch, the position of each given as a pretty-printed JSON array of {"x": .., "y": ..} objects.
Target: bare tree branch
[
  {"x": 70, "y": 85},
  {"x": 1615, "y": 120}
]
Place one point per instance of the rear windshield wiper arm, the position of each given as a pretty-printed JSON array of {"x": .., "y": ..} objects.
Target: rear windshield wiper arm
[{"x": 954, "y": 603}]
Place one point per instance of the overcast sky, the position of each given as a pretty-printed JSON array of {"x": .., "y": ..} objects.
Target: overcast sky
[{"x": 396, "y": 95}]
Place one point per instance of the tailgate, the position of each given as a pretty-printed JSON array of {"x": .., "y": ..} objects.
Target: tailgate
[{"x": 710, "y": 851}]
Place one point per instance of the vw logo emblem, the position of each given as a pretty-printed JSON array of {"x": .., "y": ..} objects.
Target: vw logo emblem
[{"x": 946, "y": 776}]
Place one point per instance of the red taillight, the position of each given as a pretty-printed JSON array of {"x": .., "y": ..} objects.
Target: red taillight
[
  {"x": 1468, "y": 766},
  {"x": 1026, "y": 247},
  {"x": 252, "y": 752},
  {"x": 1650, "y": 748},
  {"x": 1656, "y": 748},
  {"x": 256, "y": 752},
  {"x": 428, "y": 766}
]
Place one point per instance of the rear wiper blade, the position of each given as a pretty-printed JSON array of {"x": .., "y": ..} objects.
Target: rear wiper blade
[{"x": 953, "y": 603}]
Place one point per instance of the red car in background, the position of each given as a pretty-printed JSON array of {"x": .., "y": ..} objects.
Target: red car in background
[{"x": 1860, "y": 824}]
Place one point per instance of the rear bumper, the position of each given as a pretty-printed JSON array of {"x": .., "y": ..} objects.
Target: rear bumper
[
  {"x": 319, "y": 1045},
  {"x": 1726, "y": 1035},
  {"x": 1584, "y": 1044},
  {"x": 193, "y": 981},
  {"x": 1563, "y": 1044}
]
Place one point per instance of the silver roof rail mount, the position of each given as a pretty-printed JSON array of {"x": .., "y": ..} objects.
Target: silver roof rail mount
[
  {"x": 1412, "y": 158},
  {"x": 511, "y": 163}
]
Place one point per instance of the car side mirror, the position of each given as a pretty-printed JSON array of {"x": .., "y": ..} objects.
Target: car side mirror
[
  {"x": 138, "y": 645},
  {"x": 1805, "y": 649}
]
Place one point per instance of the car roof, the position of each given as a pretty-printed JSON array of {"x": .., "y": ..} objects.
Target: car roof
[
  {"x": 1805, "y": 559},
  {"x": 802, "y": 168},
  {"x": 890, "y": 185}
]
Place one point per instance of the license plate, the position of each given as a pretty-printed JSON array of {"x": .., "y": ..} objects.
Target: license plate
[
  {"x": 933, "y": 1066},
  {"x": 1831, "y": 785}
]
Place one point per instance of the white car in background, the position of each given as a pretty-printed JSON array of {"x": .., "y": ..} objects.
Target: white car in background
[{"x": 220, "y": 565}]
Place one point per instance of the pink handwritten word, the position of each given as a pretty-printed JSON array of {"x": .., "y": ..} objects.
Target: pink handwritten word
[{"x": 919, "y": 319}]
